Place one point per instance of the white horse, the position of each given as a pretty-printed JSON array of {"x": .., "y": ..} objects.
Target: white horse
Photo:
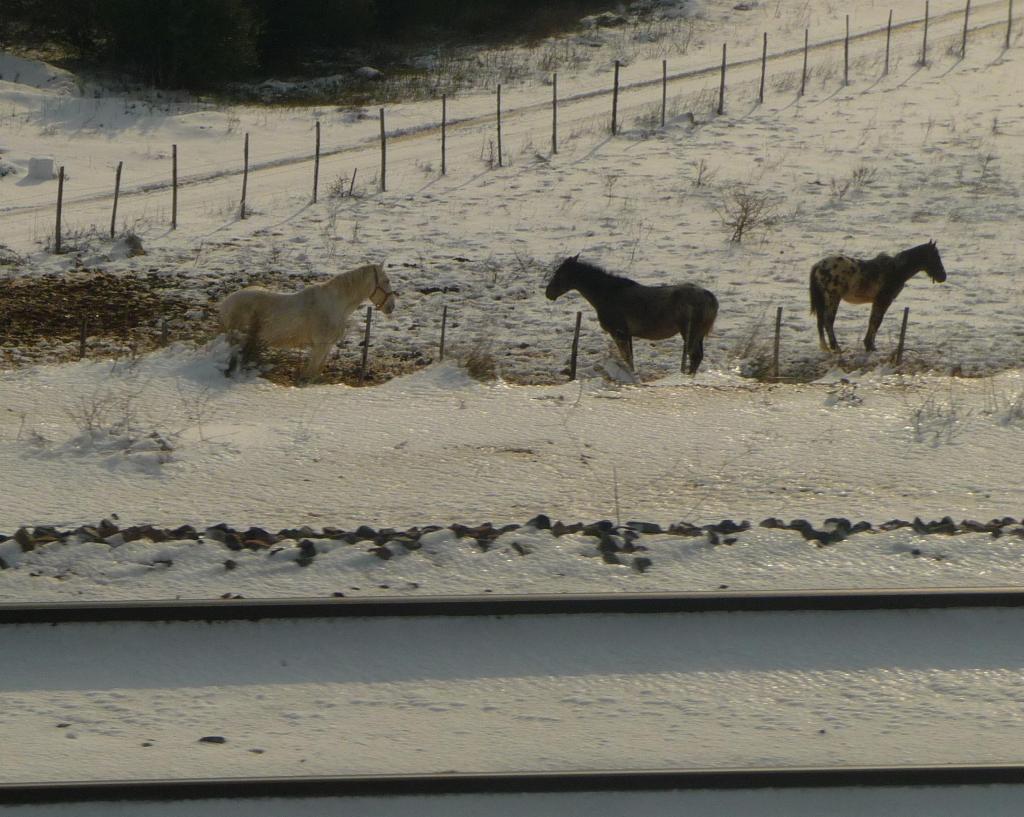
[{"x": 315, "y": 316}]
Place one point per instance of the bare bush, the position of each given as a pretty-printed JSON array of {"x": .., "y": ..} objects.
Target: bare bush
[
  {"x": 743, "y": 211},
  {"x": 480, "y": 364}
]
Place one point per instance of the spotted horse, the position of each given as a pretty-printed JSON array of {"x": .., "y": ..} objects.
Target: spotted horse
[{"x": 876, "y": 281}]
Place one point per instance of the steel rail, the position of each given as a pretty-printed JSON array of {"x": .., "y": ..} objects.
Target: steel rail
[
  {"x": 210, "y": 610},
  {"x": 511, "y": 783}
]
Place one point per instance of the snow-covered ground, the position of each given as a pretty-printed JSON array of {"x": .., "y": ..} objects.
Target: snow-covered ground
[
  {"x": 437, "y": 447},
  {"x": 881, "y": 164},
  {"x": 517, "y": 693}
]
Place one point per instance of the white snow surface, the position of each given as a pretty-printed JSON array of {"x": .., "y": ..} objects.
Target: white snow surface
[
  {"x": 517, "y": 693},
  {"x": 881, "y": 164}
]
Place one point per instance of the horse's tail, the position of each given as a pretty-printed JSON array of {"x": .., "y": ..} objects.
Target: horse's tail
[
  {"x": 818, "y": 305},
  {"x": 702, "y": 318}
]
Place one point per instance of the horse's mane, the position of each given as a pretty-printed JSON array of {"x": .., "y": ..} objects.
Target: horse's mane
[
  {"x": 609, "y": 278},
  {"x": 350, "y": 280}
]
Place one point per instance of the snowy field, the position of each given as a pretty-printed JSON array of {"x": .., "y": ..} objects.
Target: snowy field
[{"x": 159, "y": 436}]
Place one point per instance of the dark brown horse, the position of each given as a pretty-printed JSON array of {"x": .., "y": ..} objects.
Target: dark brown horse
[
  {"x": 626, "y": 309},
  {"x": 876, "y": 281}
]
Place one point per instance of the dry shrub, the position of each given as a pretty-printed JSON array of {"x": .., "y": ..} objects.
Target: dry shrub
[{"x": 480, "y": 364}]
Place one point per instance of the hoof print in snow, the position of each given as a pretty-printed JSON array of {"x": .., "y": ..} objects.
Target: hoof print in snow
[
  {"x": 381, "y": 552},
  {"x": 230, "y": 564},
  {"x": 521, "y": 549},
  {"x": 713, "y": 537},
  {"x": 539, "y": 522},
  {"x": 213, "y": 739},
  {"x": 641, "y": 563}
]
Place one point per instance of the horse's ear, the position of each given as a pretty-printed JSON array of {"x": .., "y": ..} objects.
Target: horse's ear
[
  {"x": 932, "y": 242},
  {"x": 576, "y": 257}
]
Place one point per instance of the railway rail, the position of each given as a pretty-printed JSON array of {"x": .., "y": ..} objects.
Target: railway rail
[
  {"x": 185, "y": 610},
  {"x": 511, "y": 783}
]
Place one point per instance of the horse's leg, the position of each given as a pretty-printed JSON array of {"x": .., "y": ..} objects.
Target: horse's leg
[
  {"x": 878, "y": 310},
  {"x": 696, "y": 355},
  {"x": 624, "y": 343},
  {"x": 831, "y": 308},
  {"x": 317, "y": 357}
]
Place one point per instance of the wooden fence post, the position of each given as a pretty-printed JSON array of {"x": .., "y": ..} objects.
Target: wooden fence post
[
  {"x": 60, "y": 209},
  {"x": 554, "y": 113},
  {"x": 846, "y": 53},
  {"x": 444, "y": 140},
  {"x": 888, "y": 43},
  {"x": 924, "y": 41},
  {"x": 352, "y": 182},
  {"x": 245, "y": 176},
  {"x": 803, "y": 74},
  {"x": 500, "y": 160},
  {"x": 721, "y": 87},
  {"x": 664, "y": 90},
  {"x": 444, "y": 326},
  {"x": 383, "y": 155},
  {"x": 903, "y": 335},
  {"x": 117, "y": 193},
  {"x": 174, "y": 187},
  {"x": 764, "y": 68},
  {"x": 615, "y": 99},
  {"x": 963, "y": 44},
  {"x": 775, "y": 348},
  {"x": 316, "y": 163},
  {"x": 1009, "y": 23},
  {"x": 575, "y": 346},
  {"x": 366, "y": 344}
]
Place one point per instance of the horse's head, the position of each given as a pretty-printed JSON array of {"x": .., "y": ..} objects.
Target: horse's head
[
  {"x": 383, "y": 296},
  {"x": 562, "y": 279},
  {"x": 934, "y": 263}
]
